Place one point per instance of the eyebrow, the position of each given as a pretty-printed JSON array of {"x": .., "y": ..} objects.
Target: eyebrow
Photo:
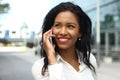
[
  {"x": 68, "y": 23},
  {"x": 72, "y": 23}
]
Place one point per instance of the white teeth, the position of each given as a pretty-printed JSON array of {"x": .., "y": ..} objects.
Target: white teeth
[{"x": 63, "y": 39}]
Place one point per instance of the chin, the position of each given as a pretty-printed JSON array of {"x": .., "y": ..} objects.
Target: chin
[{"x": 63, "y": 47}]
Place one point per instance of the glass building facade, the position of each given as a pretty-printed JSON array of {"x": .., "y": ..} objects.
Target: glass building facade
[
  {"x": 109, "y": 12},
  {"x": 109, "y": 26}
]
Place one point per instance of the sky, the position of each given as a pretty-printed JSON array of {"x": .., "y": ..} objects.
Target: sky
[{"x": 30, "y": 12}]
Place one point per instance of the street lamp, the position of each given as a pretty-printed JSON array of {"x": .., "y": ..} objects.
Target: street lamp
[{"x": 98, "y": 31}]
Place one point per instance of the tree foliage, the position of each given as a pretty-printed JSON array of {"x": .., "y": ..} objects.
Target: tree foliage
[
  {"x": 4, "y": 7},
  {"x": 109, "y": 22}
]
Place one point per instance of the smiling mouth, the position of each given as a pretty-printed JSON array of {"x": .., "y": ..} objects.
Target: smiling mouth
[{"x": 63, "y": 40}]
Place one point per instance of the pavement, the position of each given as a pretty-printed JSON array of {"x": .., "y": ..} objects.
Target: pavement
[
  {"x": 109, "y": 71},
  {"x": 13, "y": 49},
  {"x": 106, "y": 71}
]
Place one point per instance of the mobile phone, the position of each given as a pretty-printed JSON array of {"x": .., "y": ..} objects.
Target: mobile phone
[{"x": 51, "y": 39}]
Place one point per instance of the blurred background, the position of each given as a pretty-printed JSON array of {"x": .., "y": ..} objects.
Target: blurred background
[{"x": 20, "y": 34}]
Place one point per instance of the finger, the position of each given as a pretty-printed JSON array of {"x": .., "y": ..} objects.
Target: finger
[
  {"x": 46, "y": 35},
  {"x": 53, "y": 45}
]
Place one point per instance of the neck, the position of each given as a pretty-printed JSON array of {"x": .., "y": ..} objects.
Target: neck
[{"x": 68, "y": 55}]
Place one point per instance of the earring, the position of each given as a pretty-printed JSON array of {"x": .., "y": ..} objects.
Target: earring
[{"x": 79, "y": 38}]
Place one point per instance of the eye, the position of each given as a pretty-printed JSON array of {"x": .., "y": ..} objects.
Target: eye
[
  {"x": 58, "y": 25},
  {"x": 70, "y": 26}
]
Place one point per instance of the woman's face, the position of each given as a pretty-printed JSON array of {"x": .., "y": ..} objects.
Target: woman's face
[{"x": 66, "y": 30}]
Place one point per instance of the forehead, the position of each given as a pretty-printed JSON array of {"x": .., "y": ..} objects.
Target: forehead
[{"x": 66, "y": 15}]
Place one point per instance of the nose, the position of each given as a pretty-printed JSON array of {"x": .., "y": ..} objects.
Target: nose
[{"x": 63, "y": 31}]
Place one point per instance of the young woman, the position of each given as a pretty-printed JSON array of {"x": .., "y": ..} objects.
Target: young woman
[{"x": 66, "y": 52}]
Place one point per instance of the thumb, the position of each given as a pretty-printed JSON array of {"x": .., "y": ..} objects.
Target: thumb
[{"x": 53, "y": 46}]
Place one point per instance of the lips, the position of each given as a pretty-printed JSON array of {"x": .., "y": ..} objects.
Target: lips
[{"x": 63, "y": 40}]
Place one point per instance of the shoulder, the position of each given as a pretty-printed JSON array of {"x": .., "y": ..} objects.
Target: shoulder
[
  {"x": 38, "y": 64},
  {"x": 37, "y": 67},
  {"x": 93, "y": 60}
]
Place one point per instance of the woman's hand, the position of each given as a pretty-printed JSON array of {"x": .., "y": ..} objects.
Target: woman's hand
[{"x": 49, "y": 47}]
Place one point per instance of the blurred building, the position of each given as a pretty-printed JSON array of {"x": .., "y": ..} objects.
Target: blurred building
[
  {"x": 109, "y": 26},
  {"x": 20, "y": 37}
]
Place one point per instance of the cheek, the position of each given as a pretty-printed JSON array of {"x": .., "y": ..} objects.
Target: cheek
[
  {"x": 76, "y": 35},
  {"x": 76, "y": 32},
  {"x": 54, "y": 31}
]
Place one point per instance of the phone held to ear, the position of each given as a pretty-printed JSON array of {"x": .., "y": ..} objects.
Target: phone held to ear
[{"x": 51, "y": 39}]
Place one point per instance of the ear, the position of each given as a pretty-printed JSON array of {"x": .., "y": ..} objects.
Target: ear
[{"x": 80, "y": 34}]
